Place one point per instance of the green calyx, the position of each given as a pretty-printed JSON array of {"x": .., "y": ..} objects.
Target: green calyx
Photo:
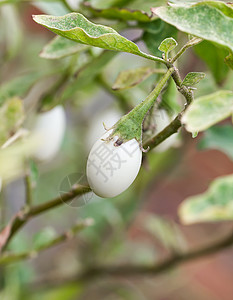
[{"x": 130, "y": 125}]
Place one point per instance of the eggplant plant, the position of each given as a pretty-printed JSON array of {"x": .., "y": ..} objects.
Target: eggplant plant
[{"x": 98, "y": 100}]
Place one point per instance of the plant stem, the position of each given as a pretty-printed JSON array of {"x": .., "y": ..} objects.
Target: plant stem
[
  {"x": 7, "y": 258},
  {"x": 189, "y": 44},
  {"x": 141, "y": 270},
  {"x": 28, "y": 189},
  {"x": 172, "y": 128},
  {"x": 145, "y": 105},
  {"x": 154, "y": 58},
  {"x": 185, "y": 91},
  {"x": 24, "y": 216},
  {"x": 130, "y": 125}
]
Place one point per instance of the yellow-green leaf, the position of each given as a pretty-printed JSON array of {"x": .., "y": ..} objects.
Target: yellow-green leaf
[
  {"x": 168, "y": 45},
  {"x": 208, "y": 110},
  {"x": 215, "y": 204}
]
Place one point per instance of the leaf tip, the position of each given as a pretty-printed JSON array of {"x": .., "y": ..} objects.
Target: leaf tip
[
  {"x": 35, "y": 18},
  {"x": 154, "y": 9}
]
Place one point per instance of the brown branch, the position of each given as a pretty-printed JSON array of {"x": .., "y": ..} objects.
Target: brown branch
[
  {"x": 8, "y": 258},
  {"x": 172, "y": 128},
  {"x": 176, "y": 124},
  {"x": 134, "y": 270},
  {"x": 23, "y": 216}
]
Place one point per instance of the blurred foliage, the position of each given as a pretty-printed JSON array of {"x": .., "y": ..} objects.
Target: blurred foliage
[
  {"x": 12, "y": 116},
  {"x": 213, "y": 55},
  {"x": 215, "y": 204},
  {"x": 219, "y": 138},
  {"x": 155, "y": 32}
]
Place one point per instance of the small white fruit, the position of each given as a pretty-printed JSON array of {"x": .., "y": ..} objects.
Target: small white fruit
[
  {"x": 162, "y": 119},
  {"x": 50, "y": 129},
  {"x": 110, "y": 169}
]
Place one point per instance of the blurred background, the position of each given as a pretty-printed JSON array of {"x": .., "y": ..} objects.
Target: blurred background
[{"x": 140, "y": 226}]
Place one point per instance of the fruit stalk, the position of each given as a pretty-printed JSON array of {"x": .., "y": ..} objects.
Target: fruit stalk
[{"x": 130, "y": 125}]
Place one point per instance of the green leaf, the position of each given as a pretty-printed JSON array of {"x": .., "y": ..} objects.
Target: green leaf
[
  {"x": 219, "y": 138},
  {"x": 129, "y": 78},
  {"x": 11, "y": 116},
  {"x": 193, "y": 78},
  {"x": 87, "y": 73},
  {"x": 225, "y": 8},
  {"x": 124, "y": 14},
  {"x": 168, "y": 45},
  {"x": 43, "y": 237},
  {"x": 156, "y": 27},
  {"x": 61, "y": 47},
  {"x": 208, "y": 110},
  {"x": 214, "y": 205},
  {"x": 76, "y": 27},
  {"x": 229, "y": 60},
  {"x": 18, "y": 86},
  {"x": 195, "y": 20},
  {"x": 213, "y": 55},
  {"x": 155, "y": 32}
]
